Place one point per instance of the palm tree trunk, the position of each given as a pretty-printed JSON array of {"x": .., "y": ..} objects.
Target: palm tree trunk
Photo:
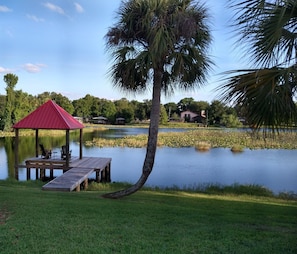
[{"x": 151, "y": 144}]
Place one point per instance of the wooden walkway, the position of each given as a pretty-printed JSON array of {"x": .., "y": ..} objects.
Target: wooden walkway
[
  {"x": 70, "y": 180},
  {"x": 78, "y": 172}
]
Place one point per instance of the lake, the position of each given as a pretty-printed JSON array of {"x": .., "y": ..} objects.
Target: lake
[{"x": 182, "y": 167}]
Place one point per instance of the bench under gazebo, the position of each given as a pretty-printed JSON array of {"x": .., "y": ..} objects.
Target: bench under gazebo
[{"x": 77, "y": 169}]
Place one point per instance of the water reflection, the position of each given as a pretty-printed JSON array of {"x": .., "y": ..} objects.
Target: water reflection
[{"x": 183, "y": 167}]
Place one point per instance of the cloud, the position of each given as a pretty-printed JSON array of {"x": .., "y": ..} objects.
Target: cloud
[
  {"x": 5, "y": 70},
  {"x": 33, "y": 68},
  {"x": 79, "y": 8},
  {"x": 34, "y": 18},
  {"x": 54, "y": 8},
  {"x": 4, "y": 9}
]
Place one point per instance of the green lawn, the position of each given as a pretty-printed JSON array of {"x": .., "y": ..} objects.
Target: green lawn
[{"x": 36, "y": 221}]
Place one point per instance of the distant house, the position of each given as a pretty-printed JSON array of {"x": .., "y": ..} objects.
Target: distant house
[
  {"x": 79, "y": 118},
  {"x": 120, "y": 120},
  {"x": 192, "y": 117},
  {"x": 188, "y": 116},
  {"x": 99, "y": 120}
]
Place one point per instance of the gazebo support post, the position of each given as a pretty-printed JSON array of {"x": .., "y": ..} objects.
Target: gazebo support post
[
  {"x": 67, "y": 149},
  {"x": 80, "y": 143},
  {"x": 36, "y": 142},
  {"x": 16, "y": 155}
]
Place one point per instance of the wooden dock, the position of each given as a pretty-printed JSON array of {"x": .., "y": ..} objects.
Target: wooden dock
[
  {"x": 78, "y": 172},
  {"x": 70, "y": 180}
]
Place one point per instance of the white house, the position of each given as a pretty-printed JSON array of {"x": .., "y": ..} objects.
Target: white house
[{"x": 187, "y": 116}]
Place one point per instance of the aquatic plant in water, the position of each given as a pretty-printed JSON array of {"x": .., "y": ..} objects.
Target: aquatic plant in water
[{"x": 203, "y": 146}]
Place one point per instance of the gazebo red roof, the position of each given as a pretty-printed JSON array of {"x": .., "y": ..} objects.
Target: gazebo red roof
[{"x": 49, "y": 116}]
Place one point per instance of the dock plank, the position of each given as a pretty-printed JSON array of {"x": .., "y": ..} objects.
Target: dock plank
[
  {"x": 90, "y": 162},
  {"x": 69, "y": 180}
]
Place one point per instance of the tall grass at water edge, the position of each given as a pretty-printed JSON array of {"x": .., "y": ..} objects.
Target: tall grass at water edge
[
  {"x": 214, "y": 137},
  {"x": 215, "y": 189}
]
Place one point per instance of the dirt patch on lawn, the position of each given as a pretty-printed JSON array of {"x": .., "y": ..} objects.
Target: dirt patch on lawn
[{"x": 4, "y": 214}]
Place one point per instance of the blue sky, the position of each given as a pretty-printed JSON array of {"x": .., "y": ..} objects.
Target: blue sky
[{"x": 59, "y": 46}]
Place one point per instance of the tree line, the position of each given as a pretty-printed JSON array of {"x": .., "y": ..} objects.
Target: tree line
[{"x": 17, "y": 104}]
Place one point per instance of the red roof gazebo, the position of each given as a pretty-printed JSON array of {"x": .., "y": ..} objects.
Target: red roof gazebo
[{"x": 48, "y": 116}]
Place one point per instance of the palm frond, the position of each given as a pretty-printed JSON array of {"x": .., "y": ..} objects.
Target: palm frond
[
  {"x": 266, "y": 94},
  {"x": 131, "y": 73},
  {"x": 266, "y": 28},
  {"x": 167, "y": 36}
]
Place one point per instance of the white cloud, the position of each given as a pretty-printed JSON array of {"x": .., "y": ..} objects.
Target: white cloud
[
  {"x": 33, "y": 68},
  {"x": 4, "y": 9},
  {"x": 5, "y": 70},
  {"x": 54, "y": 8},
  {"x": 79, "y": 8},
  {"x": 34, "y": 18}
]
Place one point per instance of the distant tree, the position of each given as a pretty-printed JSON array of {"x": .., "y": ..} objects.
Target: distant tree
[
  {"x": 171, "y": 108},
  {"x": 139, "y": 110},
  {"x": 24, "y": 104},
  {"x": 241, "y": 110},
  {"x": 148, "y": 107},
  {"x": 124, "y": 109},
  {"x": 2, "y": 110},
  {"x": 95, "y": 106},
  {"x": 175, "y": 117},
  {"x": 163, "y": 115},
  {"x": 163, "y": 43},
  {"x": 87, "y": 106},
  {"x": 63, "y": 102},
  {"x": 216, "y": 111},
  {"x": 80, "y": 108},
  {"x": 198, "y": 106},
  {"x": 108, "y": 109},
  {"x": 43, "y": 97},
  {"x": 230, "y": 121},
  {"x": 184, "y": 104},
  {"x": 11, "y": 80}
]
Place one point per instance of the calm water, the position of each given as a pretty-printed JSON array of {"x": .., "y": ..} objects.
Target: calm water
[
  {"x": 185, "y": 167},
  {"x": 121, "y": 132}
]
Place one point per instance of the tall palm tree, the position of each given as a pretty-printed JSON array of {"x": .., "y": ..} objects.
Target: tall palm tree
[
  {"x": 268, "y": 30},
  {"x": 11, "y": 80},
  {"x": 160, "y": 45}
]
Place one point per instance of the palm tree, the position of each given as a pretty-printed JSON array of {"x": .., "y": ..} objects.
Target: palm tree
[
  {"x": 268, "y": 29},
  {"x": 160, "y": 45},
  {"x": 11, "y": 80}
]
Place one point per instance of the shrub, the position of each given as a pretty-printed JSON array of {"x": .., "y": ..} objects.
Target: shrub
[
  {"x": 203, "y": 146},
  {"x": 237, "y": 148}
]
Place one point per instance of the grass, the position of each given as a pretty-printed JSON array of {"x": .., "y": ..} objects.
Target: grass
[
  {"x": 150, "y": 221},
  {"x": 237, "y": 148},
  {"x": 214, "y": 137},
  {"x": 203, "y": 146}
]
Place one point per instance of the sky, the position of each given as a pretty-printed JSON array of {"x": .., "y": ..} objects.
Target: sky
[{"x": 59, "y": 46}]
